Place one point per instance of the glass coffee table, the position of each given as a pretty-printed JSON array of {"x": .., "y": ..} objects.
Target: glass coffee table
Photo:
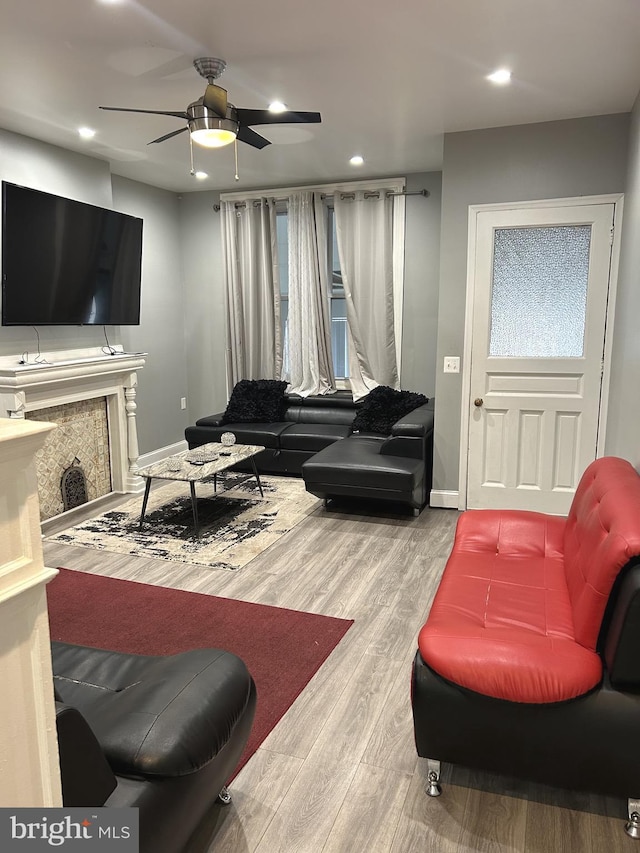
[{"x": 192, "y": 466}]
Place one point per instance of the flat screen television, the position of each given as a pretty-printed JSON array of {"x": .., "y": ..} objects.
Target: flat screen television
[{"x": 66, "y": 262}]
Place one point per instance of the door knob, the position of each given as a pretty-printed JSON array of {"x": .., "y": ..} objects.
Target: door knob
[{"x": 478, "y": 402}]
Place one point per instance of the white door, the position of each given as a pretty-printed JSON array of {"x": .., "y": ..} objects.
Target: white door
[{"x": 539, "y": 316}]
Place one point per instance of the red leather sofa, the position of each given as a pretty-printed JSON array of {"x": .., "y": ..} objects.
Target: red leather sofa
[{"x": 529, "y": 662}]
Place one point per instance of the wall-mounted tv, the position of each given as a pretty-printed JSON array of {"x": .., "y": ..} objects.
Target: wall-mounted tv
[{"x": 65, "y": 262}]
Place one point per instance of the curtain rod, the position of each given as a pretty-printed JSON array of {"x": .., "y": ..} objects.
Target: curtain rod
[{"x": 367, "y": 194}]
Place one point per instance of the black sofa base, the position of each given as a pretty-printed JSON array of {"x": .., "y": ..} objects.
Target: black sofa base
[{"x": 584, "y": 744}]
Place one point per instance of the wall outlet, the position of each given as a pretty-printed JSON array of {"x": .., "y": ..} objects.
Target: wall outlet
[
  {"x": 452, "y": 364},
  {"x": 183, "y": 402}
]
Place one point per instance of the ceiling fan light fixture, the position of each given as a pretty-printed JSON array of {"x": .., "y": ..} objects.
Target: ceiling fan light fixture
[
  {"x": 212, "y": 137},
  {"x": 208, "y": 129},
  {"x": 277, "y": 107}
]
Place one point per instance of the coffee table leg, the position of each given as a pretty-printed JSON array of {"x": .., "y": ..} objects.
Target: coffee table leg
[
  {"x": 146, "y": 498},
  {"x": 255, "y": 471},
  {"x": 194, "y": 506}
]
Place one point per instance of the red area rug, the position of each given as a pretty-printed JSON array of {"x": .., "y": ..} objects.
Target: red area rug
[{"x": 282, "y": 648}]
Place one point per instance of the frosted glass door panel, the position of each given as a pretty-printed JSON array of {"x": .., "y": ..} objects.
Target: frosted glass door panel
[{"x": 539, "y": 292}]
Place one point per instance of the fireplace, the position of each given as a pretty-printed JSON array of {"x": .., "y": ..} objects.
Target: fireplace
[
  {"x": 81, "y": 441},
  {"x": 92, "y": 397}
]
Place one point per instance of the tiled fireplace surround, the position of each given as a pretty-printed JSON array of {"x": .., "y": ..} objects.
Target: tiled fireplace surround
[{"x": 92, "y": 396}]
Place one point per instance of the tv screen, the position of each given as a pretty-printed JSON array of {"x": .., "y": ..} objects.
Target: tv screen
[{"x": 65, "y": 262}]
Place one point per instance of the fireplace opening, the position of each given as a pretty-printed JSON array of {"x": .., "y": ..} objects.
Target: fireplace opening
[
  {"x": 75, "y": 463},
  {"x": 73, "y": 486}
]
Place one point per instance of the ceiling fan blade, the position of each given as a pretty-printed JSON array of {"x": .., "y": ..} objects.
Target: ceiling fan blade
[
  {"x": 245, "y": 134},
  {"x": 215, "y": 99},
  {"x": 251, "y": 117},
  {"x": 168, "y": 135},
  {"x": 176, "y": 113}
]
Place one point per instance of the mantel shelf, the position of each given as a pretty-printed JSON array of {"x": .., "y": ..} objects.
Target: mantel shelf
[
  {"x": 56, "y": 368},
  {"x": 73, "y": 375}
]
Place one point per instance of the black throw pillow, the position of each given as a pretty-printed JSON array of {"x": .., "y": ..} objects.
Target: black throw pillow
[
  {"x": 383, "y": 406},
  {"x": 256, "y": 401}
]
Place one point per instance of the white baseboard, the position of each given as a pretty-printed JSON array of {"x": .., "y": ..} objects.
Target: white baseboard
[
  {"x": 444, "y": 499},
  {"x": 161, "y": 453}
]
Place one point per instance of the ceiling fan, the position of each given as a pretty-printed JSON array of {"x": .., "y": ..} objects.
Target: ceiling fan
[{"x": 213, "y": 122}]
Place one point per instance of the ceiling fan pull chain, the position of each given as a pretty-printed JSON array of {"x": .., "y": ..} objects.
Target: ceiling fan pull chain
[
  {"x": 192, "y": 172},
  {"x": 235, "y": 146}
]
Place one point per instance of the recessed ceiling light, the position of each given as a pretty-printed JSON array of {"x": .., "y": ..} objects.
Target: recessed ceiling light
[
  {"x": 86, "y": 132},
  {"x": 356, "y": 160},
  {"x": 277, "y": 107},
  {"x": 201, "y": 175},
  {"x": 501, "y": 76}
]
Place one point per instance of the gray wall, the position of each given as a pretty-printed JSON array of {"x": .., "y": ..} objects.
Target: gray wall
[
  {"x": 205, "y": 298},
  {"x": 624, "y": 393},
  {"x": 421, "y": 279},
  {"x": 204, "y": 303},
  {"x": 162, "y": 381},
  {"x": 547, "y": 160}
]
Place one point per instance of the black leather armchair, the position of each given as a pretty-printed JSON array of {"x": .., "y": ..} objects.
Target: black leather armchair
[{"x": 161, "y": 734}]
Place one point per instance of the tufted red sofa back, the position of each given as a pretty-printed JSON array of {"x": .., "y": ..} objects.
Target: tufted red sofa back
[{"x": 602, "y": 533}]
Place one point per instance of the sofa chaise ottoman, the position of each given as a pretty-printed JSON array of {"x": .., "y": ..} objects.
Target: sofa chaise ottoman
[{"x": 397, "y": 467}]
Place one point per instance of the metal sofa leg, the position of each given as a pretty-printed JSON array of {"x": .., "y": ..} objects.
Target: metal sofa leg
[
  {"x": 632, "y": 826},
  {"x": 224, "y": 796},
  {"x": 433, "y": 779}
]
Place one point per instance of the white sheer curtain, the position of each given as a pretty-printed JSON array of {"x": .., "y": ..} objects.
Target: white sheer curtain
[
  {"x": 365, "y": 231},
  {"x": 310, "y": 368},
  {"x": 250, "y": 252}
]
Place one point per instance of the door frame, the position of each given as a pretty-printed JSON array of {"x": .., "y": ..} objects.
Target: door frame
[{"x": 617, "y": 199}]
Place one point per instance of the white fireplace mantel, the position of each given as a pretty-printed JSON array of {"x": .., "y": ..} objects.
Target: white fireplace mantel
[{"x": 73, "y": 375}]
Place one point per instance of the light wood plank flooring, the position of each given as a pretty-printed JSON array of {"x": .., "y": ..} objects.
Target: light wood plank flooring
[{"x": 340, "y": 773}]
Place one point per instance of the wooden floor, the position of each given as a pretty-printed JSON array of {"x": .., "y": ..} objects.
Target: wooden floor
[{"x": 340, "y": 771}]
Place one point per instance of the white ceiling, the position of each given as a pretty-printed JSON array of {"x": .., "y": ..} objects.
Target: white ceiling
[{"x": 389, "y": 79}]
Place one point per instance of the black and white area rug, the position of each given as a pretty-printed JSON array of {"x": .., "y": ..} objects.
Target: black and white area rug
[{"x": 236, "y": 524}]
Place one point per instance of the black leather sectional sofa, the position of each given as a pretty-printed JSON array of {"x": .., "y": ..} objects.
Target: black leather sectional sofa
[{"x": 315, "y": 440}]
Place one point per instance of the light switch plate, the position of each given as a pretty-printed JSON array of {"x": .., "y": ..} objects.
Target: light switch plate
[{"x": 452, "y": 364}]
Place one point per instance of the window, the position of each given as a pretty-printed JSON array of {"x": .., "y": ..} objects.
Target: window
[{"x": 338, "y": 303}]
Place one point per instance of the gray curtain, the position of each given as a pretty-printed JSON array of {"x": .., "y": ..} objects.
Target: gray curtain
[
  {"x": 309, "y": 367},
  {"x": 364, "y": 227},
  {"x": 250, "y": 254}
]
